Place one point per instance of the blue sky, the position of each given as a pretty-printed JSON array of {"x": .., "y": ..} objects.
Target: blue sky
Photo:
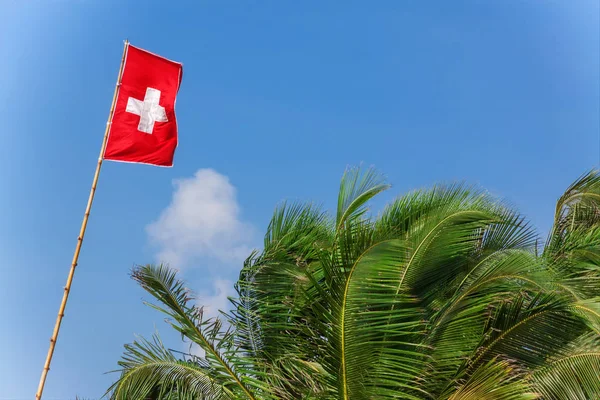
[{"x": 277, "y": 99}]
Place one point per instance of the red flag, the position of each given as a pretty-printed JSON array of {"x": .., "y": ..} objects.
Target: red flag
[{"x": 143, "y": 128}]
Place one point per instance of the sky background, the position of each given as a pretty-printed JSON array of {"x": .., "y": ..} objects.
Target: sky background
[{"x": 277, "y": 99}]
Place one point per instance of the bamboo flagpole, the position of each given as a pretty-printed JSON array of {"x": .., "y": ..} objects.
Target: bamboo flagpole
[{"x": 67, "y": 289}]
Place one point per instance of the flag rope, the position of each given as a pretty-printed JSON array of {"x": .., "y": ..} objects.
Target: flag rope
[{"x": 67, "y": 288}]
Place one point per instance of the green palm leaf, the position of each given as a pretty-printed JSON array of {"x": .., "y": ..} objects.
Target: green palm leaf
[
  {"x": 235, "y": 373},
  {"x": 496, "y": 380},
  {"x": 371, "y": 308},
  {"x": 150, "y": 370},
  {"x": 444, "y": 295},
  {"x": 531, "y": 329},
  {"x": 356, "y": 188},
  {"x": 574, "y": 377}
]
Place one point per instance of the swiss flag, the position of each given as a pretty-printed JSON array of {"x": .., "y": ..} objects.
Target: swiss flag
[{"x": 143, "y": 127}]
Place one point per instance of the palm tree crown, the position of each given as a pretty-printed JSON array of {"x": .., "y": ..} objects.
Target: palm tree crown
[{"x": 445, "y": 295}]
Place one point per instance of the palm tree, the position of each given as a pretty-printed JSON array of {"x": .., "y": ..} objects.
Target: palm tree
[{"x": 444, "y": 295}]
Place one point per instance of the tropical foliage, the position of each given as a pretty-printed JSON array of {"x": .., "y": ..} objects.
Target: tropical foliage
[{"x": 447, "y": 294}]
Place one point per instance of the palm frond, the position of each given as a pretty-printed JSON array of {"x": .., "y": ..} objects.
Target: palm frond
[
  {"x": 495, "y": 380},
  {"x": 150, "y": 370},
  {"x": 456, "y": 328},
  {"x": 578, "y": 207},
  {"x": 575, "y": 261},
  {"x": 372, "y": 307},
  {"x": 574, "y": 377},
  {"x": 589, "y": 311},
  {"x": 298, "y": 232},
  {"x": 531, "y": 329},
  {"x": 236, "y": 372},
  {"x": 356, "y": 188},
  {"x": 444, "y": 295},
  {"x": 584, "y": 191}
]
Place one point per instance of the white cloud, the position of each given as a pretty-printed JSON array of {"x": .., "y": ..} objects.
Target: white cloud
[{"x": 201, "y": 221}]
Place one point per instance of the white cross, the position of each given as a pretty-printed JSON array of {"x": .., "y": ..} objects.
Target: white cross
[{"x": 148, "y": 110}]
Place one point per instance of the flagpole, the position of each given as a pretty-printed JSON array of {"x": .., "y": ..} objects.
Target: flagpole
[{"x": 67, "y": 289}]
